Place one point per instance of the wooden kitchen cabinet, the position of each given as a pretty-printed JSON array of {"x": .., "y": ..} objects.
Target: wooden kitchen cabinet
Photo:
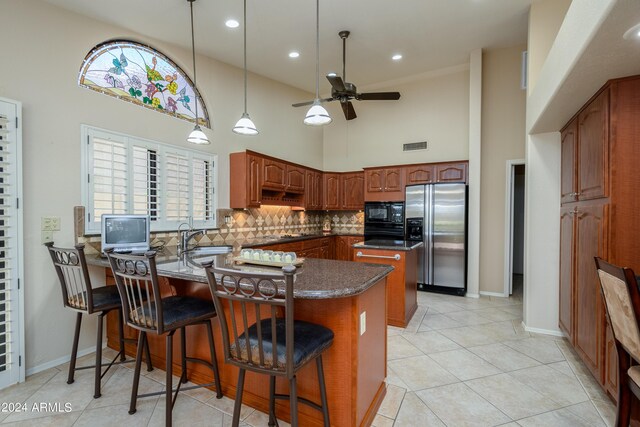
[
  {"x": 451, "y": 172},
  {"x": 273, "y": 174},
  {"x": 313, "y": 190},
  {"x": 599, "y": 162},
  {"x": 419, "y": 174},
  {"x": 296, "y": 178},
  {"x": 569, "y": 159},
  {"x": 246, "y": 181},
  {"x": 352, "y": 191},
  {"x": 593, "y": 148},
  {"x": 331, "y": 191},
  {"x": 384, "y": 184}
]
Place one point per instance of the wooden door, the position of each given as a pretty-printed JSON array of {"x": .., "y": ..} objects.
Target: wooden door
[
  {"x": 317, "y": 189},
  {"x": 393, "y": 180},
  {"x": 331, "y": 190},
  {"x": 309, "y": 194},
  {"x": 353, "y": 191},
  {"x": 342, "y": 248},
  {"x": 295, "y": 179},
  {"x": 419, "y": 174},
  {"x": 593, "y": 148},
  {"x": 451, "y": 172},
  {"x": 569, "y": 140},
  {"x": 254, "y": 182},
  {"x": 374, "y": 180},
  {"x": 273, "y": 174},
  {"x": 591, "y": 225},
  {"x": 567, "y": 231}
]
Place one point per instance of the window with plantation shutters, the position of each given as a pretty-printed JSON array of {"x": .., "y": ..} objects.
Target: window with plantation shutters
[
  {"x": 125, "y": 174},
  {"x": 11, "y": 305}
]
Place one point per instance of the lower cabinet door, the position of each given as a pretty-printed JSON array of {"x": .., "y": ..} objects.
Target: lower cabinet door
[
  {"x": 611, "y": 367},
  {"x": 567, "y": 231}
]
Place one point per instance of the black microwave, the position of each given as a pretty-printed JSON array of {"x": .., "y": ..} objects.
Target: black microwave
[{"x": 384, "y": 213}]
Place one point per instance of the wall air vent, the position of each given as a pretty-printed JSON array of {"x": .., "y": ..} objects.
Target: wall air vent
[{"x": 412, "y": 146}]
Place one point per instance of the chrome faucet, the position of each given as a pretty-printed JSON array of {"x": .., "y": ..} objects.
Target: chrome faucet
[{"x": 186, "y": 236}]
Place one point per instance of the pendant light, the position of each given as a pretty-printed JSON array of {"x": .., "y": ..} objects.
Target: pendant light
[
  {"x": 317, "y": 114},
  {"x": 196, "y": 136},
  {"x": 245, "y": 125}
]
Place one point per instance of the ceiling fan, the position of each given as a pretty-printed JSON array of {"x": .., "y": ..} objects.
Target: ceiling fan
[{"x": 344, "y": 92}]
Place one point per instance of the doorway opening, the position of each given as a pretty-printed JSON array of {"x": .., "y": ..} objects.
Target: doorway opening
[{"x": 514, "y": 233}]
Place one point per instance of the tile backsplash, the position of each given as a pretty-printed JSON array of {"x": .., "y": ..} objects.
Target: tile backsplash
[{"x": 238, "y": 226}]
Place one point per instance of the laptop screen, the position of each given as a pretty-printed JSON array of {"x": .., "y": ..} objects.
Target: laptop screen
[{"x": 125, "y": 232}]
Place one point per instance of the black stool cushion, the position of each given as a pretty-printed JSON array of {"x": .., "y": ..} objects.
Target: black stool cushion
[
  {"x": 309, "y": 340},
  {"x": 105, "y": 297},
  {"x": 177, "y": 311}
]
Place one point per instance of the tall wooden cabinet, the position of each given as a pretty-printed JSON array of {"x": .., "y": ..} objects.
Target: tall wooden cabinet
[{"x": 598, "y": 216}]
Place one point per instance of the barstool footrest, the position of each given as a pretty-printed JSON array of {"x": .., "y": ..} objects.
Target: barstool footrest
[
  {"x": 108, "y": 365},
  {"x": 300, "y": 400},
  {"x": 158, "y": 393}
]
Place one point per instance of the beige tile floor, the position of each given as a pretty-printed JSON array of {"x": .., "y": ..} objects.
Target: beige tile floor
[{"x": 460, "y": 362}]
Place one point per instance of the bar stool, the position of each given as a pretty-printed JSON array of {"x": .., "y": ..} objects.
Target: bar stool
[
  {"x": 79, "y": 295},
  {"x": 296, "y": 342},
  {"x": 137, "y": 275}
]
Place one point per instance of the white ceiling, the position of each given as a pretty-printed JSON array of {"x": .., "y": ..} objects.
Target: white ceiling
[{"x": 430, "y": 34}]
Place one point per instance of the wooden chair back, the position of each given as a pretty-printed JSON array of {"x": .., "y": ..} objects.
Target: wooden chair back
[
  {"x": 73, "y": 275},
  {"x": 255, "y": 300},
  {"x": 137, "y": 281},
  {"x": 622, "y": 301}
]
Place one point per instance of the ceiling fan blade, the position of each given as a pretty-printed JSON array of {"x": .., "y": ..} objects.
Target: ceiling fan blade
[
  {"x": 379, "y": 96},
  {"x": 337, "y": 83},
  {"x": 302, "y": 104},
  {"x": 349, "y": 112}
]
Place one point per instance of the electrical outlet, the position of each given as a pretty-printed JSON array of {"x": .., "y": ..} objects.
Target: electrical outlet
[
  {"x": 50, "y": 223},
  {"x": 47, "y": 236},
  {"x": 363, "y": 322}
]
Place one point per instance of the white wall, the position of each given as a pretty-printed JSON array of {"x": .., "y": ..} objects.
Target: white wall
[
  {"x": 43, "y": 50},
  {"x": 435, "y": 109}
]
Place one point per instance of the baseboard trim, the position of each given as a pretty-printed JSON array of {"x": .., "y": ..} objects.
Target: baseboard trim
[
  {"x": 493, "y": 294},
  {"x": 59, "y": 361},
  {"x": 470, "y": 295},
  {"x": 552, "y": 332}
]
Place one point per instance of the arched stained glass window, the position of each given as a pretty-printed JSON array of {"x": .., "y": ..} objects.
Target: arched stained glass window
[{"x": 137, "y": 73}]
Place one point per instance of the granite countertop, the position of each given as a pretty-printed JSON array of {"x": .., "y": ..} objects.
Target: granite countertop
[
  {"x": 392, "y": 245},
  {"x": 266, "y": 241},
  {"x": 315, "y": 279}
]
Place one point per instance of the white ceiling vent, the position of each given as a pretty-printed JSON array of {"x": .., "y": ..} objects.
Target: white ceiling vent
[{"x": 413, "y": 146}]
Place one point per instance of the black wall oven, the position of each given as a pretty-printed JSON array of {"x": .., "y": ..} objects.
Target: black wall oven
[{"x": 384, "y": 220}]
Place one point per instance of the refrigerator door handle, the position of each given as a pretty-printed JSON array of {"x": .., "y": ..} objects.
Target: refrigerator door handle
[{"x": 361, "y": 255}]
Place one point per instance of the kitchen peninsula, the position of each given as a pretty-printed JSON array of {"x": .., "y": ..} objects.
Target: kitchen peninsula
[{"x": 347, "y": 297}]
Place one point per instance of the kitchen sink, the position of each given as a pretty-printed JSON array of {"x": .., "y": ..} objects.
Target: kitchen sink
[{"x": 209, "y": 250}]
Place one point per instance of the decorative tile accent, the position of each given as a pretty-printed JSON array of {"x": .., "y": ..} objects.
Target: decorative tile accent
[{"x": 248, "y": 224}]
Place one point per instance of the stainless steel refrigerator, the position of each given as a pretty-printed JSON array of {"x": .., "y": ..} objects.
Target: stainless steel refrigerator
[{"x": 437, "y": 215}]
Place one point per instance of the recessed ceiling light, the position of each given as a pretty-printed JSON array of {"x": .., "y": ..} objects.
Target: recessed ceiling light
[
  {"x": 294, "y": 54},
  {"x": 396, "y": 57},
  {"x": 232, "y": 23}
]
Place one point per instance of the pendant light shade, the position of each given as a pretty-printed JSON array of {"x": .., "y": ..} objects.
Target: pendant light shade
[
  {"x": 245, "y": 125},
  {"x": 317, "y": 114},
  {"x": 196, "y": 136}
]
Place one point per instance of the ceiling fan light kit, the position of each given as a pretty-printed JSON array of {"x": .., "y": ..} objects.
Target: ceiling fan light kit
[
  {"x": 245, "y": 125},
  {"x": 196, "y": 136}
]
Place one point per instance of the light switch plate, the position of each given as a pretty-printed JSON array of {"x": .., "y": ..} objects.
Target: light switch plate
[
  {"x": 50, "y": 223},
  {"x": 363, "y": 322}
]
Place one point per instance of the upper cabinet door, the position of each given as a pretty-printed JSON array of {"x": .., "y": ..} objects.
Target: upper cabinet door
[
  {"x": 273, "y": 174},
  {"x": 254, "y": 166},
  {"x": 569, "y": 141},
  {"x": 331, "y": 187},
  {"x": 353, "y": 191},
  {"x": 295, "y": 179},
  {"x": 593, "y": 148},
  {"x": 419, "y": 174},
  {"x": 451, "y": 172},
  {"x": 393, "y": 179},
  {"x": 374, "y": 180}
]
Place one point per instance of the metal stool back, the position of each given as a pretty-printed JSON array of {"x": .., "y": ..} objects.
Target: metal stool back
[
  {"x": 258, "y": 305},
  {"x": 79, "y": 295},
  {"x": 144, "y": 308}
]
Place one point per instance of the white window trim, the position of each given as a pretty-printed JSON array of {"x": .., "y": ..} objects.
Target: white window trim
[{"x": 156, "y": 226}]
